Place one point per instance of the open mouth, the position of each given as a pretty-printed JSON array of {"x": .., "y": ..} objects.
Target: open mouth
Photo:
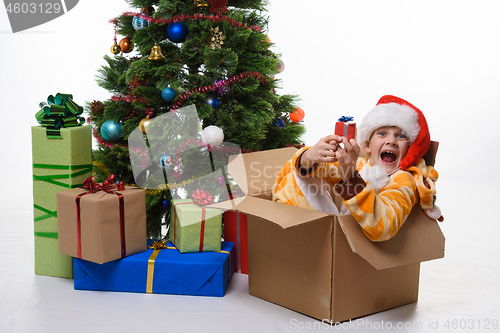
[{"x": 388, "y": 157}]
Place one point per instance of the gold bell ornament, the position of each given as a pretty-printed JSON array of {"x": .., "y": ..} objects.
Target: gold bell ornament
[{"x": 156, "y": 53}]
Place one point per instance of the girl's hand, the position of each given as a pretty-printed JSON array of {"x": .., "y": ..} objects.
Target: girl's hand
[
  {"x": 347, "y": 158},
  {"x": 322, "y": 152}
]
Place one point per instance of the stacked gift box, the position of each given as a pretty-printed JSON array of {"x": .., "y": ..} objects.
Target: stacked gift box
[
  {"x": 96, "y": 232},
  {"x": 193, "y": 265},
  {"x": 62, "y": 159},
  {"x": 104, "y": 228}
]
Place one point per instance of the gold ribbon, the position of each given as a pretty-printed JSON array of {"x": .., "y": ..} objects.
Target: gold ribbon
[
  {"x": 229, "y": 253},
  {"x": 157, "y": 246}
]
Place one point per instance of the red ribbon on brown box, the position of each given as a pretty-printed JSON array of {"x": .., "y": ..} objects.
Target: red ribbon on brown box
[{"x": 107, "y": 186}]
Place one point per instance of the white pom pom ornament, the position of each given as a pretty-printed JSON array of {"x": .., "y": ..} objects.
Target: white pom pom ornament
[{"x": 213, "y": 136}]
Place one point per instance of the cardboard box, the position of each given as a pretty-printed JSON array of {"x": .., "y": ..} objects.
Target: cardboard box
[
  {"x": 100, "y": 235},
  {"x": 196, "y": 274},
  {"x": 322, "y": 265},
  {"x": 58, "y": 164}
]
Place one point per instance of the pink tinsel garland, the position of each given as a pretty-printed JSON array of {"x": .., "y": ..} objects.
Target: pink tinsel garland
[
  {"x": 182, "y": 97},
  {"x": 185, "y": 17}
]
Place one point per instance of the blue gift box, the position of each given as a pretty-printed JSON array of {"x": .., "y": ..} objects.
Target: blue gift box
[{"x": 170, "y": 272}]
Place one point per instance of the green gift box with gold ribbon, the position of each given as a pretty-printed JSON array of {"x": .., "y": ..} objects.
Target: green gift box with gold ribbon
[
  {"x": 62, "y": 159},
  {"x": 194, "y": 228}
]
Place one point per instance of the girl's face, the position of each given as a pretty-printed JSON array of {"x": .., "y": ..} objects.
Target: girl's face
[{"x": 387, "y": 147}]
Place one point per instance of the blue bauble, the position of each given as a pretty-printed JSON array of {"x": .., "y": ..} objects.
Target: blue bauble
[
  {"x": 177, "y": 32},
  {"x": 166, "y": 160},
  {"x": 212, "y": 101},
  {"x": 168, "y": 94},
  {"x": 164, "y": 203},
  {"x": 111, "y": 130},
  {"x": 139, "y": 23},
  {"x": 279, "y": 123}
]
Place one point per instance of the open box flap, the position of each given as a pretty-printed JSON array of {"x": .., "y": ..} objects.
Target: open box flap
[
  {"x": 419, "y": 239},
  {"x": 285, "y": 216},
  {"x": 256, "y": 172}
]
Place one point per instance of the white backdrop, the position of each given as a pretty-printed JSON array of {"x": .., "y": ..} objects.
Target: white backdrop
[{"x": 340, "y": 58}]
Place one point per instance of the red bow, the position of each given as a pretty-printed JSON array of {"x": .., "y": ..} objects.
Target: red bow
[
  {"x": 202, "y": 198},
  {"x": 106, "y": 186}
]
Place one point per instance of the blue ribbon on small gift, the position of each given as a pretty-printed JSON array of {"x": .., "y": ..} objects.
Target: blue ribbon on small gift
[{"x": 346, "y": 119}]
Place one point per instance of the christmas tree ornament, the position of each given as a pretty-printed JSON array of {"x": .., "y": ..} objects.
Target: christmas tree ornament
[
  {"x": 200, "y": 3},
  {"x": 96, "y": 107},
  {"x": 221, "y": 89},
  {"x": 148, "y": 10},
  {"x": 126, "y": 45},
  {"x": 213, "y": 136},
  {"x": 281, "y": 66},
  {"x": 212, "y": 101},
  {"x": 111, "y": 130},
  {"x": 137, "y": 81},
  {"x": 168, "y": 94},
  {"x": 166, "y": 160},
  {"x": 177, "y": 32},
  {"x": 138, "y": 23},
  {"x": 143, "y": 123},
  {"x": 129, "y": 114},
  {"x": 218, "y": 6},
  {"x": 115, "y": 49},
  {"x": 165, "y": 204},
  {"x": 217, "y": 39},
  {"x": 156, "y": 53},
  {"x": 279, "y": 123},
  {"x": 297, "y": 115}
]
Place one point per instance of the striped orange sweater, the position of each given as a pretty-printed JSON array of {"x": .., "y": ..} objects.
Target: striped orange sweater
[{"x": 380, "y": 206}]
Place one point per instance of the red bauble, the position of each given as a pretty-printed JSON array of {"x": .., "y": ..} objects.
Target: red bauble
[
  {"x": 126, "y": 45},
  {"x": 297, "y": 115}
]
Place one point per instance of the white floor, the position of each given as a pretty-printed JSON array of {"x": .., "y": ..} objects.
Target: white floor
[{"x": 457, "y": 294}]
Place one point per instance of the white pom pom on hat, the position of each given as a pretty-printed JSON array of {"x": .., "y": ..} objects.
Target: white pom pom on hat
[{"x": 394, "y": 111}]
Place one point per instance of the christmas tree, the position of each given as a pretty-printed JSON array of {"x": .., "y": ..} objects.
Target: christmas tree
[{"x": 213, "y": 54}]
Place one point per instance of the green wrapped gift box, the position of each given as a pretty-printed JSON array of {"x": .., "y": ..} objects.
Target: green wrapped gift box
[
  {"x": 194, "y": 228},
  {"x": 58, "y": 164}
]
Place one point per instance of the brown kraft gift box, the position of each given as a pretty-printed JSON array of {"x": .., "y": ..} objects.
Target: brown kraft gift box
[
  {"x": 322, "y": 265},
  {"x": 100, "y": 224}
]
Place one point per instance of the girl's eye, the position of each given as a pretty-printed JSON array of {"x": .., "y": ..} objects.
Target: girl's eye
[
  {"x": 381, "y": 133},
  {"x": 401, "y": 136}
]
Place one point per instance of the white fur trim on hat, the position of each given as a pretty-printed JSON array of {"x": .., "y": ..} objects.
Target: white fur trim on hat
[{"x": 388, "y": 114}]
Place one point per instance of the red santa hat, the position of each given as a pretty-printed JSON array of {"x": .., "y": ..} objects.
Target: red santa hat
[{"x": 394, "y": 111}]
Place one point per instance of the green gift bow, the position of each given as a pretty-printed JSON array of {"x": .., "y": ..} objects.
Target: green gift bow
[{"x": 59, "y": 111}]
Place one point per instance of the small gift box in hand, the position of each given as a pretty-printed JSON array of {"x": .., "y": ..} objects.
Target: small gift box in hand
[{"x": 346, "y": 127}]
